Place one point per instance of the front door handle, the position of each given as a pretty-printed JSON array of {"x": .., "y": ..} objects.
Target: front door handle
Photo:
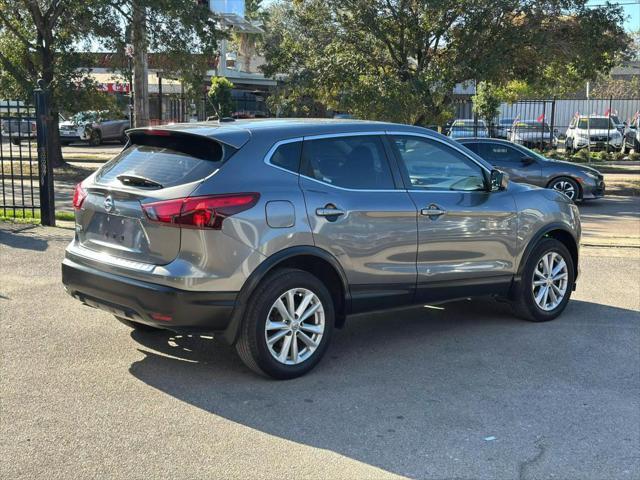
[
  {"x": 329, "y": 212},
  {"x": 432, "y": 211}
]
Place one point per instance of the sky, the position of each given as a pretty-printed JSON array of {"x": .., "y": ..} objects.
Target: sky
[{"x": 631, "y": 10}]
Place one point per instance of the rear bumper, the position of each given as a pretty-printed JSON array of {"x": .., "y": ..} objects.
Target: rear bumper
[{"x": 138, "y": 301}]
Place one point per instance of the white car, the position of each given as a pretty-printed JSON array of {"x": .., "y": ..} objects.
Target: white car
[
  {"x": 467, "y": 128},
  {"x": 596, "y": 131}
]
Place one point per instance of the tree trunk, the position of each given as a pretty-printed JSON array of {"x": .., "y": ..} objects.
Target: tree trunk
[
  {"x": 140, "y": 68},
  {"x": 54, "y": 148}
]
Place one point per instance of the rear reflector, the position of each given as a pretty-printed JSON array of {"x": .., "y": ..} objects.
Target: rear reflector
[
  {"x": 79, "y": 195},
  {"x": 205, "y": 212},
  {"x": 161, "y": 317}
]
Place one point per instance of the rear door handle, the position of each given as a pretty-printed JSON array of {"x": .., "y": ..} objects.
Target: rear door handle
[
  {"x": 329, "y": 212},
  {"x": 432, "y": 211}
]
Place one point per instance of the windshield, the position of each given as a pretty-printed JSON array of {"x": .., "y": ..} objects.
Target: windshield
[
  {"x": 532, "y": 126},
  {"x": 467, "y": 124},
  {"x": 599, "y": 123}
]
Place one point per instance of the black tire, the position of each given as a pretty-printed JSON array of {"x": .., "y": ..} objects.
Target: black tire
[
  {"x": 141, "y": 327},
  {"x": 252, "y": 344},
  {"x": 64, "y": 143},
  {"x": 95, "y": 138},
  {"x": 523, "y": 300},
  {"x": 566, "y": 180},
  {"x": 16, "y": 141}
]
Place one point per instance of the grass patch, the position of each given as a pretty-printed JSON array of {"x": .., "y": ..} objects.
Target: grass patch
[{"x": 28, "y": 216}]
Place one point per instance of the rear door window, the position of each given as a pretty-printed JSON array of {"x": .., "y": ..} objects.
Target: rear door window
[
  {"x": 357, "y": 162},
  {"x": 498, "y": 154}
]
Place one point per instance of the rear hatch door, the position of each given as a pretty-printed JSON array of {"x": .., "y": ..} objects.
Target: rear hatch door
[{"x": 156, "y": 165}]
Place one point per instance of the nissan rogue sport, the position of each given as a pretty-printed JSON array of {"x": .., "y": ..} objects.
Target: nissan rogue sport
[{"x": 269, "y": 233}]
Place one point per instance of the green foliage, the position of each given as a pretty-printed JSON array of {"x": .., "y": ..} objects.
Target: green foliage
[
  {"x": 220, "y": 96},
  {"x": 486, "y": 102},
  {"x": 398, "y": 60}
]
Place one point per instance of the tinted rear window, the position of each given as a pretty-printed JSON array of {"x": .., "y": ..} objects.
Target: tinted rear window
[{"x": 161, "y": 165}]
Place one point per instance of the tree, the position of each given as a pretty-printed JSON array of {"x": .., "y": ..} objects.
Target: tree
[
  {"x": 184, "y": 32},
  {"x": 220, "y": 97},
  {"x": 399, "y": 60},
  {"x": 486, "y": 102},
  {"x": 37, "y": 41}
]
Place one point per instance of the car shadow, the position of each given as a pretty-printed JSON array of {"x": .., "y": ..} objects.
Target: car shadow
[
  {"x": 394, "y": 383},
  {"x": 19, "y": 238}
]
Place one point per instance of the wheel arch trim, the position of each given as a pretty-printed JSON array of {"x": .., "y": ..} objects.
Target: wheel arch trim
[
  {"x": 539, "y": 235},
  {"x": 232, "y": 331}
]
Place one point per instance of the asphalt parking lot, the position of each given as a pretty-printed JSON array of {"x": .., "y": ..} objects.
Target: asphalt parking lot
[{"x": 466, "y": 391}]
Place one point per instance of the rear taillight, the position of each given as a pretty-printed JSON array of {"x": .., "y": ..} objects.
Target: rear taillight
[
  {"x": 199, "y": 212},
  {"x": 78, "y": 196}
]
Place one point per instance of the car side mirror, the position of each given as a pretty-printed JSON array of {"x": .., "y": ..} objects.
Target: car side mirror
[
  {"x": 498, "y": 180},
  {"x": 526, "y": 161}
]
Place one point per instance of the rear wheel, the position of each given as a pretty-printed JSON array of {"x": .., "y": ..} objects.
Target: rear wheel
[
  {"x": 566, "y": 186},
  {"x": 547, "y": 282},
  {"x": 141, "y": 327},
  {"x": 288, "y": 325}
]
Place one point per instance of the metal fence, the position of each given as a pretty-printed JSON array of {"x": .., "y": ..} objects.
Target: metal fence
[
  {"x": 26, "y": 177},
  {"x": 18, "y": 160},
  {"x": 541, "y": 123}
]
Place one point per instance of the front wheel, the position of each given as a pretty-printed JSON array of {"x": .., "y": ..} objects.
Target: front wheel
[
  {"x": 287, "y": 326},
  {"x": 567, "y": 186},
  {"x": 547, "y": 282}
]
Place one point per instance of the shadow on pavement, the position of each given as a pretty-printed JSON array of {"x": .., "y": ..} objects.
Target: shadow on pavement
[
  {"x": 16, "y": 239},
  {"x": 415, "y": 390}
]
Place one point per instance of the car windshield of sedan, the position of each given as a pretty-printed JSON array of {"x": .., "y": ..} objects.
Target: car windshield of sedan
[
  {"x": 467, "y": 125},
  {"x": 532, "y": 126}
]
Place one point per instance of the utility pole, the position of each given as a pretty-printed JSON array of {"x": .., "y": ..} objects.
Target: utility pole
[{"x": 140, "y": 65}]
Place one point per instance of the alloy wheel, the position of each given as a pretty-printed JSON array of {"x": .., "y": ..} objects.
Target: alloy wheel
[
  {"x": 565, "y": 187},
  {"x": 550, "y": 281},
  {"x": 295, "y": 325}
]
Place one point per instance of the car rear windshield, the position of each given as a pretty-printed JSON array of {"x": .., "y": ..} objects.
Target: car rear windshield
[{"x": 160, "y": 166}]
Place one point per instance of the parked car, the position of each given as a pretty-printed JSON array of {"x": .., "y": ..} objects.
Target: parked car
[
  {"x": 268, "y": 233},
  {"x": 618, "y": 123},
  {"x": 94, "y": 127},
  {"x": 577, "y": 182},
  {"x": 462, "y": 128},
  {"x": 596, "y": 131},
  {"x": 503, "y": 128},
  {"x": 17, "y": 129},
  {"x": 631, "y": 140},
  {"x": 533, "y": 134}
]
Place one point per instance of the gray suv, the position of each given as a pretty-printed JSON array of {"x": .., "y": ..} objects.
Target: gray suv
[{"x": 269, "y": 233}]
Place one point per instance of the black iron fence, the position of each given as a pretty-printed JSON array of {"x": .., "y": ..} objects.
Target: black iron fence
[{"x": 26, "y": 177}]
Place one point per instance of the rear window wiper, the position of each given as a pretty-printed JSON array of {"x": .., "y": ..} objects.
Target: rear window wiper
[{"x": 138, "y": 181}]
